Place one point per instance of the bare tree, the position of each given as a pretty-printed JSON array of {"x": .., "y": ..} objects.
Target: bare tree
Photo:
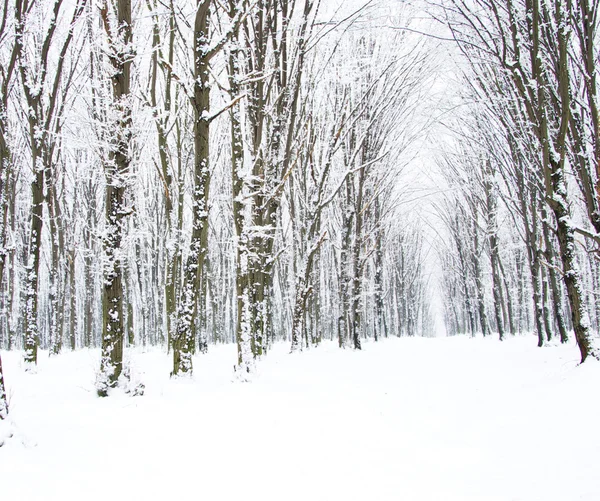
[
  {"x": 41, "y": 90},
  {"x": 273, "y": 62},
  {"x": 512, "y": 37},
  {"x": 192, "y": 280},
  {"x": 116, "y": 19}
]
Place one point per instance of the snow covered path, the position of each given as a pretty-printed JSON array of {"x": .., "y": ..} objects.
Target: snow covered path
[{"x": 406, "y": 419}]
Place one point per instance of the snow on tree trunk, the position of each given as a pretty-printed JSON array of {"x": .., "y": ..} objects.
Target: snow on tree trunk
[
  {"x": 116, "y": 18},
  {"x": 3, "y": 400},
  {"x": 572, "y": 278},
  {"x": 184, "y": 336}
]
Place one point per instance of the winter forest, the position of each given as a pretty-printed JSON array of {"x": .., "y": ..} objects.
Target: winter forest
[{"x": 355, "y": 196}]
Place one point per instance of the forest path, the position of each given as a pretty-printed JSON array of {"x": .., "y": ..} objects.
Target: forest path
[{"x": 405, "y": 419}]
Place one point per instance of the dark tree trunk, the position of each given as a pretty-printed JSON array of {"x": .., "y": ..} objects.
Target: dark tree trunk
[
  {"x": 554, "y": 282},
  {"x": 3, "y": 400},
  {"x": 117, "y": 171},
  {"x": 579, "y": 314},
  {"x": 184, "y": 342}
]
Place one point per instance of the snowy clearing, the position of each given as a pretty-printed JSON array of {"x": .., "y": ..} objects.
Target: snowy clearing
[{"x": 406, "y": 419}]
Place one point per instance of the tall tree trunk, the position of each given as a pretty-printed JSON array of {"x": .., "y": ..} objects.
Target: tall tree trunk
[
  {"x": 548, "y": 324},
  {"x": 184, "y": 340},
  {"x": 356, "y": 256},
  {"x": 554, "y": 156},
  {"x": 33, "y": 261},
  {"x": 42, "y": 101},
  {"x": 73, "y": 300},
  {"x": 57, "y": 272},
  {"x": 566, "y": 241},
  {"x": 345, "y": 273},
  {"x": 117, "y": 172},
  {"x": 161, "y": 118},
  {"x": 492, "y": 207},
  {"x": 480, "y": 295},
  {"x": 32, "y": 265},
  {"x": 468, "y": 304},
  {"x": 4, "y": 169},
  {"x": 380, "y": 325},
  {"x": 509, "y": 300},
  {"x": 534, "y": 254},
  {"x": 243, "y": 323}
]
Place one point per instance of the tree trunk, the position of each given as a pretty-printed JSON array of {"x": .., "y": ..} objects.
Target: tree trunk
[
  {"x": 492, "y": 207},
  {"x": 33, "y": 260},
  {"x": 554, "y": 281},
  {"x": 579, "y": 313},
  {"x": 380, "y": 325},
  {"x": 480, "y": 295},
  {"x": 243, "y": 328},
  {"x": 3, "y": 399},
  {"x": 184, "y": 340},
  {"x": 117, "y": 171},
  {"x": 73, "y": 299}
]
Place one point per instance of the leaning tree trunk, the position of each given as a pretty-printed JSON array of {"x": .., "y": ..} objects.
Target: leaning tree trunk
[
  {"x": 572, "y": 279},
  {"x": 554, "y": 173}
]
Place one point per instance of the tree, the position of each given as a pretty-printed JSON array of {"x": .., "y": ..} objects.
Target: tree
[
  {"x": 166, "y": 118},
  {"x": 513, "y": 37},
  {"x": 274, "y": 62},
  {"x": 184, "y": 340},
  {"x": 203, "y": 53},
  {"x": 42, "y": 100},
  {"x": 116, "y": 20},
  {"x": 6, "y": 75}
]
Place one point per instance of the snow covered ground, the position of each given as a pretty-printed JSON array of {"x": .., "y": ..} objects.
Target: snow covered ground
[{"x": 406, "y": 419}]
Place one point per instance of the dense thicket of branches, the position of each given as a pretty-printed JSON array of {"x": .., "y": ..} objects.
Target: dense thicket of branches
[
  {"x": 195, "y": 172},
  {"x": 525, "y": 178}
]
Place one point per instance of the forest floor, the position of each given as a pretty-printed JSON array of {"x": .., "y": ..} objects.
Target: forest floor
[{"x": 405, "y": 419}]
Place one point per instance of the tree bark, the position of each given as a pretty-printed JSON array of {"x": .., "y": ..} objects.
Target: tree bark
[
  {"x": 184, "y": 340},
  {"x": 117, "y": 171},
  {"x": 3, "y": 399}
]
